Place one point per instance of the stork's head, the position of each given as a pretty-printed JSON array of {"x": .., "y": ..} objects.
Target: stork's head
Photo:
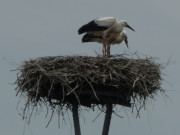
[{"x": 125, "y": 24}]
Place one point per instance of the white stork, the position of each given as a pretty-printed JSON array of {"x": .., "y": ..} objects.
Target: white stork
[
  {"x": 104, "y": 27},
  {"x": 111, "y": 40}
]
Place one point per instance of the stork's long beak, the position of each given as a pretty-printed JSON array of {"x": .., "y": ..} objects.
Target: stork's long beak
[
  {"x": 126, "y": 41},
  {"x": 130, "y": 27}
]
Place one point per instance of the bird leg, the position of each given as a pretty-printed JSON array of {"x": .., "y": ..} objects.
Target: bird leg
[
  {"x": 108, "y": 49},
  {"x": 104, "y": 48}
]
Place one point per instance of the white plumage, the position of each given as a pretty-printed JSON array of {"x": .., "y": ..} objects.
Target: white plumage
[{"x": 105, "y": 21}]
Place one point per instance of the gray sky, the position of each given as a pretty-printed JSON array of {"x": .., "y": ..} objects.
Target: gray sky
[{"x": 37, "y": 28}]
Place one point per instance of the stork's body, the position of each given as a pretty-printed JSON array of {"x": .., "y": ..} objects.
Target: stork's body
[
  {"x": 111, "y": 40},
  {"x": 105, "y": 28}
]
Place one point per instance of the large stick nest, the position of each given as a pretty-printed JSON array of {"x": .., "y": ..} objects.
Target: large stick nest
[{"x": 88, "y": 80}]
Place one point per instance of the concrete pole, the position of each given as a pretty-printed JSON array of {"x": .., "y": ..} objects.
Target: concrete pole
[
  {"x": 76, "y": 119},
  {"x": 107, "y": 119}
]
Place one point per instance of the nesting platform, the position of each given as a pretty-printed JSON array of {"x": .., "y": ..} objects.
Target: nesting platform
[
  {"x": 88, "y": 80},
  {"x": 73, "y": 81}
]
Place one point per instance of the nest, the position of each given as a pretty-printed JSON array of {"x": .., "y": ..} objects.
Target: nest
[{"x": 87, "y": 81}]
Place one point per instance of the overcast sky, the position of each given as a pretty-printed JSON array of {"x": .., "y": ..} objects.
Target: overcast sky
[{"x": 38, "y": 28}]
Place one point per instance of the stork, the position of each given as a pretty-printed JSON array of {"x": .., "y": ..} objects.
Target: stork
[
  {"x": 111, "y": 40},
  {"x": 104, "y": 27}
]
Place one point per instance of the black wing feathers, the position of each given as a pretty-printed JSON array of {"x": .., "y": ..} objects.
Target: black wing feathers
[
  {"x": 89, "y": 37},
  {"x": 91, "y": 26}
]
